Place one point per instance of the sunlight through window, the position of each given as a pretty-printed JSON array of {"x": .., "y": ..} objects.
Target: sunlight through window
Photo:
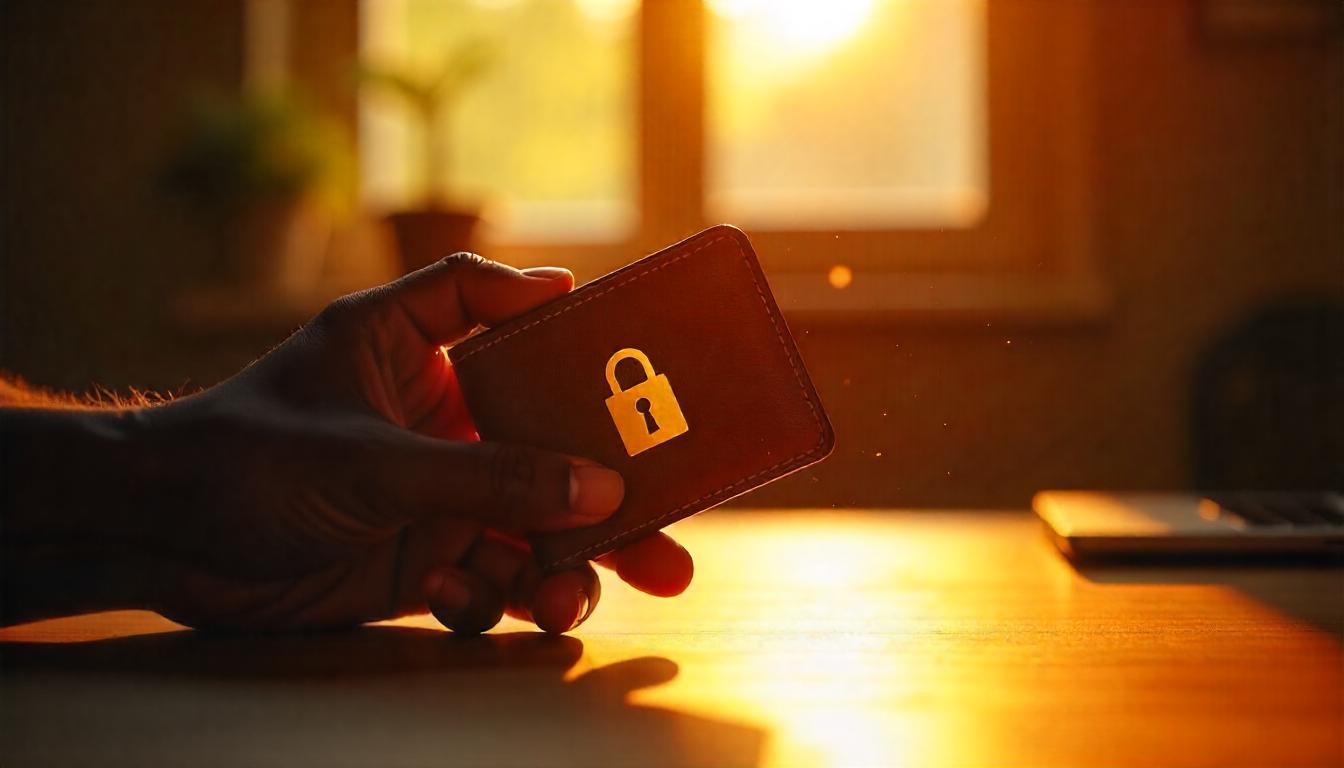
[
  {"x": 846, "y": 114},
  {"x": 542, "y": 137}
]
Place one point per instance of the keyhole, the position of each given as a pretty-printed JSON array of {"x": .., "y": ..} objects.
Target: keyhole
[{"x": 645, "y": 407}]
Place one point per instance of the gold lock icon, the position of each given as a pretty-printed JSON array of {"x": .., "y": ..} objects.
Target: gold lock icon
[{"x": 646, "y": 414}]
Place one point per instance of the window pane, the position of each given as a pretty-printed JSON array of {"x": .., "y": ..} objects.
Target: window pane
[
  {"x": 846, "y": 113},
  {"x": 541, "y": 137}
]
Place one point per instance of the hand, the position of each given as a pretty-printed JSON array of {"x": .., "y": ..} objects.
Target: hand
[{"x": 339, "y": 480}]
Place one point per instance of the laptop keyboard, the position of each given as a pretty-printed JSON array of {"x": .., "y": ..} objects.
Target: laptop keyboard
[{"x": 1299, "y": 510}]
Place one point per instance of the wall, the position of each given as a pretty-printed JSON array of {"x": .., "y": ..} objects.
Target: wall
[
  {"x": 1219, "y": 188},
  {"x": 92, "y": 93}
]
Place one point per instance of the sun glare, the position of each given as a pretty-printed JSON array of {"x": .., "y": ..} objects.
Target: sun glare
[
  {"x": 807, "y": 26},
  {"x": 840, "y": 277},
  {"x": 606, "y": 11}
]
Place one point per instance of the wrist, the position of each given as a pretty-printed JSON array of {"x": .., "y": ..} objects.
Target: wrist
[
  {"x": 75, "y": 492},
  {"x": 72, "y": 473}
]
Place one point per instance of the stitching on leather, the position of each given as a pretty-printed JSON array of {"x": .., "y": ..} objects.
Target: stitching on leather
[
  {"x": 562, "y": 310},
  {"x": 728, "y": 489}
]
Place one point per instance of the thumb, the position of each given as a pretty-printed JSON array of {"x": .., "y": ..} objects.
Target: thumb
[{"x": 507, "y": 487}]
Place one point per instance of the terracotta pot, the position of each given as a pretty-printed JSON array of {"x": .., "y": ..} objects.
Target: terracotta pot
[
  {"x": 278, "y": 242},
  {"x": 426, "y": 236}
]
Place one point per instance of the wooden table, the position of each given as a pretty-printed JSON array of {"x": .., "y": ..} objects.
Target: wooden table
[{"x": 815, "y": 638}]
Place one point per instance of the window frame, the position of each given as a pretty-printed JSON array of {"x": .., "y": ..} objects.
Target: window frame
[{"x": 1030, "y": 258}]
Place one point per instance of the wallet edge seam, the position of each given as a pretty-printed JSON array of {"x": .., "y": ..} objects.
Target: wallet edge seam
[
  {"x": 727, "y": 491},
  {"x": 630, "y": 278}
]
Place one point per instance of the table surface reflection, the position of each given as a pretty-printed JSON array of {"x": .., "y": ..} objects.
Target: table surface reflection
[{"x": 810, "y": 638}]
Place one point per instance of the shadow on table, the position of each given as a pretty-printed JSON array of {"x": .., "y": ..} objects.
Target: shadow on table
[
  {"x": 1309, "y": 591},
  {"x": 371, "y": 696}
]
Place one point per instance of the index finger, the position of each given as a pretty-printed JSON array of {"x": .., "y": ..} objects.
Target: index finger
[
  {"x": 450, "y": 297},
  {"x": 656, "y": 565}
]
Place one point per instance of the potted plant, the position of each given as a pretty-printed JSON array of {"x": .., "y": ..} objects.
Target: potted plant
[
  {"x": 262, "y": 173},
  {"x": 439, "y": 223}
]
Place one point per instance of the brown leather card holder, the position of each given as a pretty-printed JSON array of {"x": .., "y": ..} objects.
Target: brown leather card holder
[{"x": 678, "y": 371}]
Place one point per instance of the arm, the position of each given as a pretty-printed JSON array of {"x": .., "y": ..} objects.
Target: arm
[
  {"x": 66, "y": 473},
  {"x": 334, "y": 481}
]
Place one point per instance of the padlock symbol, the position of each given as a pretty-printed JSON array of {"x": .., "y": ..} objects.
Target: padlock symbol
[{"x": 646, "y": 414}]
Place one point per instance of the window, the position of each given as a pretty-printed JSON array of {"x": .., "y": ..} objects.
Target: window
[
  {"x": 932, "y": 152},
  {"x": 542, "y": 136},
  {"x": 847, "y": 114}
]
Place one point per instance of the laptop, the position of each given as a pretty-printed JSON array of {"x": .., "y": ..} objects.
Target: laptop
[{"x": 1097, "y": 524}]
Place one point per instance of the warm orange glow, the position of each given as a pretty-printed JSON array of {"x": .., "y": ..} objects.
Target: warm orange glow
[
  {"x": 828, "y": 115},
  {"x": 1209, "y": 510},
  {"x": 840, "y": 276},
  {"x": 606, "y": 10},
  {"x": 805, "y": 26},
  {"x": 823, "y": 638},
  {"x": 821, "y": 658}
]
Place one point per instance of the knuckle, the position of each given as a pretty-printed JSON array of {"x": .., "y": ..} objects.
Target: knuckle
[
  {"x": 351, "y": 317},
  {"x": 462, "y": 261},
  {"x": 345, "y": 313}
]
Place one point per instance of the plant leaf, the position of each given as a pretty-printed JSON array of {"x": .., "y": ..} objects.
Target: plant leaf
[{"x": 420, "y": 95}]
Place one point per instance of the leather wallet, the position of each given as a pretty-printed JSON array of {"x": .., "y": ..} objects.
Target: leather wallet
[{"x": 678, "y": 371}]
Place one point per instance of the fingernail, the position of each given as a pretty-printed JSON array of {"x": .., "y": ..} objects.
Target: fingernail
[
  {"x": 585, "y": 609},
  {"x": 453, "y": 596},
  {"x": 594, "y": 491},
  {"x": 547, "y": 273}
]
